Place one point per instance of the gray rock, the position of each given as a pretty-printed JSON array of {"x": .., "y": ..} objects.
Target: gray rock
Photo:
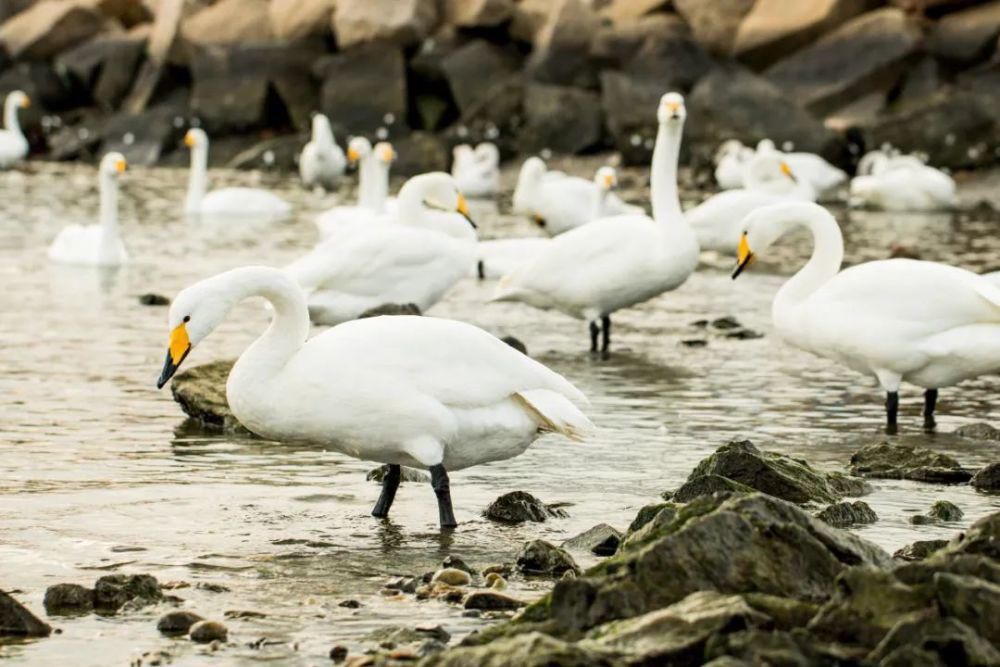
[
  {"x": 112, "y": 591},
  {"x": 396, "y": 22},
  {"x": 105, "y": 65},
  {"x": 491, "y": 601},
  {"x": 517, "y": 507},
  {"x": 706, "y": 485},
  {"x": 938, "y": 637},
  {"x": 531, "y": 649},
  {"x": 972, "y": 601},
  {"x": 843, "y": 515},
  {"x": 920, "y": 550},
  {"x": 676, "y": 60},
  {"x": 886, "y": 460},
  {"x": 562, "y": 46},
  {"x": 407, "y": 475},
  {"x": 205, "y": 632},
  {"x": 627, "y": 101},
  {"x": 17, "y": 621},
  {"x": 201, "y": 392},
  {"x": 47, "y": 28},
  {"x": 652, "y": 528},
  {"x": 457, "y": 563},
  {"x": 68, "y": 599},
  {"x": 645, "y": 515},
  {"x": 601, "y": 540},
  {"x": 560, "y": 118},
  {"x": 347, "y": 97},
  {"x": 177, "y": 623},
  {"x": 338, "y": 653},
  {"x": 516, "y": 344},
  {"x": 946, "y": 510},
  {"x": 541, "y": 558},
  {"x": 143, "y": 138},
  {"x": 474, "y": 70},
  {"x": 967, "y": 36},
  {"x": 396, "y": 635},
  {"x": 979, "y": 431},
  {"x": 477, "y": 13},
  {"x": 988, "y": 478},
  {"x": 715, "y": 22},
  {"x": 420, "y": 152},
  {"x": 616, "y": 44},
  {"x": 865, "y": 54}
]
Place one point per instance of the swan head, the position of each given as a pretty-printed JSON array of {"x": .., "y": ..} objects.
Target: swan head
[
  {"x": 606, "y": 178},
  {"x": 766, "y": 146},
  {"x": 533, "y": 169},
  {"x": 113, "y": 164},
  {"x": 385, "y": 152},
  {"x": 358, "y": 148},
  {"x": 488, "y": 153},
  {"x": 19, "y": 98},
  {"x": 770, "y": 170},
  {"x": 763, "y": 226},
  {"x": 460, "y": 151},
  {"x": 321, "y": 125},
  {"x": 437, "y": 191},
  {"x": 671, "y": 109},
  {"x": 729, "y": 147},
  {"x": 195, "y": 138}
]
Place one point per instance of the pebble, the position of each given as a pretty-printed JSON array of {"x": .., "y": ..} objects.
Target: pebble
[
  {"x": 452, "y": 576},
  {"x": 205, "y": 632},
  {"x": 457, "y": 563},
  {"x": 503, "y": 569},
  {"x": 349, "y": 604},
  {"x": 491, "y": 601},
  {"x": 338, "y": 653},
  {"x": 177, "y": 622},
  {"x": 495, "y": 581},
  {"x": 152, "y": 299}
]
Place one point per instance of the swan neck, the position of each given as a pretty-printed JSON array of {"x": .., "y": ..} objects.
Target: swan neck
[
  {"x": 109, "y": 203},
  {"x": 373, "y": 184},
  {"x": 663, "y": 174},
  {"x": 289, "y": 327},
  {"x": 10, "y": 120},
  {"x": 197, "y": 178},
  {"x": 826, "y": 258}
]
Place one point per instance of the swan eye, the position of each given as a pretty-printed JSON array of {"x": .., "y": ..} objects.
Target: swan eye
[{"x": 187, "y": 318}]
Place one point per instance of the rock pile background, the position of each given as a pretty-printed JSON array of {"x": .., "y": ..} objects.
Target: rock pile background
[{"x": 567, "y": 76}]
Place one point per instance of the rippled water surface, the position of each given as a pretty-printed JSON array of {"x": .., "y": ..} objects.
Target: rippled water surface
[{"x": 100, "y": 475}]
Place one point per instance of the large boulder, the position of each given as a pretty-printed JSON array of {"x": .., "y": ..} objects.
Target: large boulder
[
  {"x": 201, "y": 392},
  {"x": 629, "y": 103},
  {"x": 865, "y": 54},
  {"x": 474, "y": 70},
  {"x": 562, "y": 46},
  {"x": 675, "y": 60},
  {"x": 888, "y": 460},
  {"x": 49, "y": 27},
  {"x": 399, "y": 22},
  {"x": 715, "y": 22},
  {"x": 616, "y": 44},
  {"x": 967, "y": 36},
  {"x": 17, "y": 621},
  {"x": 143, "y": 138},
  {"x": 562, "y": 119},
  {"x": 295, "y": 19},
  {"x": 105, "y": 65},
  {"x": 622, "y": 11},
  {"x": 774, "y": 29},
  {"x": 477, "y": 13},
  {"x": 347, "y": 96},
  {"x": 229, "y": 22}
]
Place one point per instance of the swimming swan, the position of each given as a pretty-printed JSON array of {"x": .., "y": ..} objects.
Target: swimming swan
[
  {"x": 823, "y": 176},
  {"x": 559, "y": 203},
  {"x": 373, "y": 188},
  {"x": 903, "y": 183},
  {"x": 731, "y": 161},
  {"x": 322, "y": 162},
  {"x": 414, "y": 257},
  {"x": 476, "y": 171},
  {"x": 402, "y": 390},
  {"x": 225, "y": 203},
  {"x": 617, "y": 262},
  {"x": 899, "y": 320},
  {"x": 13, "y": 144},
  {"x": 100, "y": 244}
]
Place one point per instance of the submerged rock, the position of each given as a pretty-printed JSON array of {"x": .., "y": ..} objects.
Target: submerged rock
[
  {"x": 518, "y": 506},
  {"x": 491, "y": 601},
  {"x": 891, "y": 461},
  {"x": 17, "y": 621},
  {"x": 176, "y": 623},
  {"x": 541, "y": 558},
  {"x": 204, "y": 632},
  {"x": 934, "y": 641},
  {"x": 843, "y": 515},
  {"x": 452, "y": 576},
  {"x": 111, "y": 592},
  {"x": 68, "y": 599},
  {"x": 601, "y": 540},
  {"x": 940, "y": 512},
  {"x": 706, "y": 485},
  {"x": 391, "y": 636},
  {"x": 457, "y": 563},
  {"x": 201, "y": 392},
  {"x": 920, "y": 550},
  {"x": 979, "y": 431},
  {"x": 988, "y": 478},
  {"x": 406, "y": 475}
]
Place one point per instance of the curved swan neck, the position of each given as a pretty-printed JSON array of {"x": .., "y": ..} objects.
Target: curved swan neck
[
  {"x": 827, "y": 255},
  {"x": 663, "y": 174},
  {"x": 109, "y": 202},
  {"x": 197, "y": 178},
  {"x": 289, "y": 327},
  {"x": 10, "y": 120}
]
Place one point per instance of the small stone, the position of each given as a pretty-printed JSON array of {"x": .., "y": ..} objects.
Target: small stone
[
  {"x": 842, "y": 515},
  {"x": 491, "y": 601},
  {"x": 471, "y": 613},
  {"x": 349, "y": 604},
  {"x": 495, "y": 581},
  {"x": 204, "y": 632},
  {"x": 436, "y": 632},
  {"x": 112, "y": 591},
  {"x": 920, "y": 550},
  {"x": 152, "y": 299},
  {"x": 988, "y": 478},
  {"x": 338, "y": 653},
  {"x": 744, "y": 334},
  {"x": 68, "y": 599},
  {"x": 212, "y": 588},
  {"x": 431, "y": 647},
  {"x": 244, "y": 613},
  {"x": 403, "y": 584},
  {"x": 945, "y": 510},
  {"x": 518, "y": 507},
  {"x": 176, "y": 623},
  {"x": 694, "y": 342},
  {"x": 979, "y": 430},
  {"x": 452, "y": 576},
  {"x": 541, "y": 558},
  {"x": 727, "y": 322},
  {"x": 601, "y": 540},
  {"x": 891, "y": 461},
  {"x": 503, "y": 569},
  {"x": 457, "y": 563}
]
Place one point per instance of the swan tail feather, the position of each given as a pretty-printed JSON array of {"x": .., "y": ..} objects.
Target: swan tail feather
[{"x": 555, "y": 413}]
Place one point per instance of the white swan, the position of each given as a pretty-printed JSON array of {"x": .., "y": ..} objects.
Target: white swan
[
  {"x": 769, "y": 179},
  {"x": 414, "y": 257},
  {"x": 823, "y": 176},
  {"x": 322, "y": 162},
  {"x": 559, "y": 203},
  {"x": 477, "y": 171},
  {"x": 731, "y": 161},
  {"x": 993, "y": 277},
  {"x": 13, "y": 144},
  {"x": 417, "y": 391},
  {"x": 613, "y": 263},
  {"x": 898, "y": 320},
  {"x": 100, "y": 244},
  {"x": 225, "y": 203},
  {"x": 373, "y": 188},
  {"x": 902, "y": 183}
]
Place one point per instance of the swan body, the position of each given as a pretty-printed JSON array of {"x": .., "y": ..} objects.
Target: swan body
[
  {"x": 731, "y": 161},
  {"x": 225, "y": 203},
  {"x": 402, "y": 390},
  {"x": 373, "y": 189},
  {"x": 497, "y": 258},
  {"x": 993, "y": 277},
  {"x": 13, "y": 144},
  {"x": 897, "y": 320},
  {"x": 322, "y": 162},
  {"x": 476, "y": 171},
  {"x": 100, "y": 244},
  {"x": 414, "y": 257},
  {"x": 903, "y": 183},
  {"x": 559, "y": 203},
  {"x": 820, "y": 174},
  {"x": 616, "y": 262},
  {"x": 717, "y": 221}
]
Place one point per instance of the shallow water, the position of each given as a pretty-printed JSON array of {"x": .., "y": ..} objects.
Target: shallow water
[{"x": 99, "y": 474}]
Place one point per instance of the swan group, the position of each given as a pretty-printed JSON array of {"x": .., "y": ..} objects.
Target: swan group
[{"x": 733, "y": 162}]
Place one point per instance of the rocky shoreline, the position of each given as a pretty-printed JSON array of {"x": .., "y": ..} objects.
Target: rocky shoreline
[{"x": 567, "y": 76}]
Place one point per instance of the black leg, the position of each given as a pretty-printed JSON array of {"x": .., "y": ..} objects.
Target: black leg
[
  {"x": 442, "y": 489},
  {"x": 930, "y": 403},
  {"x": 606, "y": 331},
  {"x": 594, "y": 332},
  {"x": 891, "y": 411},
  {"x": 481, "y": 270},
  {"x": 390, "y": 482}
]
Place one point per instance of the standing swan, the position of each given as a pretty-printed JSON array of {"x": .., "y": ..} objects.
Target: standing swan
[
  {"x": 13, "y": 145},
  {"x": 613, "y": 263},
  {"x": 373, "y": 187},
  {"x": 925, "y": 323},
  {"x": 402, "y": 390},
  {"x": 322, "y": 161},
  {"x": 100, "y": 244},
  {"x": 225, "y": 203}
]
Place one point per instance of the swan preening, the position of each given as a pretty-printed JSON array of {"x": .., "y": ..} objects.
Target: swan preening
[
  {"x": 233, "y": 204},
  {"x": 100, "y": 244},
  {"x": 897, "y": 320},
  {"x": 402, "y": 390},
  {"x": 894, "y": 182},
  {"x": 733, "y": 161},
  {"x": 13, "y": 144},
  {"x": 616, "y": 262},
  {"x": 476, "y": 170},
  {"x": 373, "y": 188},
  {"x": 559, "y": 203},
  {"x": 322, "y": 162},
  {"x": 412, "y": 256}
]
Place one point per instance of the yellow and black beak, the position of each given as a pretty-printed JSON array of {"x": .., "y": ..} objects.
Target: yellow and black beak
[
  {"x": 787, "y": 171},
  {"x": 462, "y": 207},
  {"x": 121, "y": 166},
  {"x": 388, "y": 154},
  {"x": 177, "y": 351},
  {"x": 609, "y": 181},
  {"x": 352, "y": 155},
  {"x": 25, "y": 102},
  {"x": 189, "y": 140},
  {"x": 744, "y": 256}
]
